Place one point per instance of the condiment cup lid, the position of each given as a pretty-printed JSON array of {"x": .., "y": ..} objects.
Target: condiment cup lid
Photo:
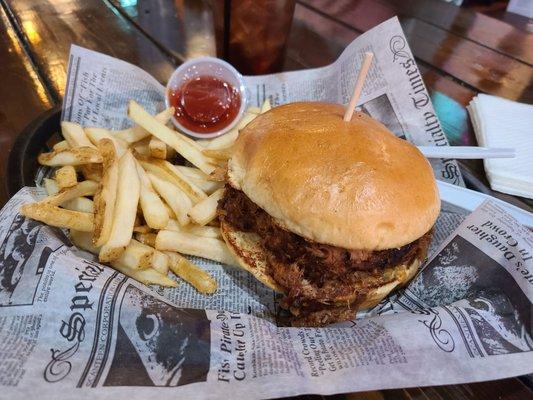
[{"x": 210, "y": 66}]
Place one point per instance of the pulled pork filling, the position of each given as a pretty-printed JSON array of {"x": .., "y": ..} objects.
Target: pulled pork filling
[{"x": 316, "y": 275}]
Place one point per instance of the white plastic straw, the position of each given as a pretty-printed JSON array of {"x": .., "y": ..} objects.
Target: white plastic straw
[{"x": 466, "y": 152}]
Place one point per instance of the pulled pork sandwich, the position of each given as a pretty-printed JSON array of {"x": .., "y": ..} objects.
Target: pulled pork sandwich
[{"x": 333, "y": 214}]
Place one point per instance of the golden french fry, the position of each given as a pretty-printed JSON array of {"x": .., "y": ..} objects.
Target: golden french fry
[
  {"x": 97, "y": 134},
  {"x": 191, "y": 273},
  {"x": 153, "y": 208},
  {"x": 222, "y": 154},
  {"x": 50, "y": 185},
  {"x": 169, "y": 211},
  {"x": 136, "y": 255},
  {"x": 60, "y": 217},
  {"x": 74, "y": 156},
  {"x": 74, "y": 135},
  {"x": 224, "y": 141},
  {"x": 206, "y": 210},
  {"x": 219, "y": 174},
  {"x": 142, "y": 147},
  {"x": 66, "y": 177},
  {"x": 246, "y": 119},
  {"x": 174, "y": 197},
  {"x": 137, "y": 133},
  {"x": 146, "y": 238},
  {"x": 84, "y": 188},
  {"x": 166, "y": 171},
  {"x": 199, "y": 179},
  {"x": 92, "y": 172},
  {"x": 84, "y": 241},
  {"x": 158, "y": 149},
  {"x": 147, "y": 276},
  {"x": 213, "y": 249},
  {"x": 182, "y": 144},
  {"x": 142, "y": 229},
  {"x": 125, "y": 209},
  {"x": 81, "y": 204},
  {"x": 105, "y": 198},
  {"x": 160, "y": 262},
  {"x": 60, "y": 146},
  {"x": 198, "y": 230},
  {"x": 191, "y": 172},
  {"x": 253, "y": 110},
  {"x": 266, "y": 106}
]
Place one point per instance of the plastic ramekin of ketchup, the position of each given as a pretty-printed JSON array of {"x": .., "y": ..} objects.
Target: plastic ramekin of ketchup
[{"x": 208, "y": 95}]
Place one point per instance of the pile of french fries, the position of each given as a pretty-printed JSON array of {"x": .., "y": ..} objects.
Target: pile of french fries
[{"x": 135, "y": 209}]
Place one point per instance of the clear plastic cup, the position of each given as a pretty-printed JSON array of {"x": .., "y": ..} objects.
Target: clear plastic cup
[{"x": 210, "y": 66}]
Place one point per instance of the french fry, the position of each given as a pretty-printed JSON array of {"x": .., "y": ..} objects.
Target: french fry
[
  {"x": 97, "y": 134},
  {"x": 105, "y": 198},
  {"x": 246, "y": 119},
  {"x": 166, "y": 171},
  {"x": 84, "y": 240},
  {"x": 182, "y": 144},
  {"x": 92, "y": 172},
  {"x": 206, "y": 211},
  {"x": 66, "y": 177},
  {"x": 142, "y": 229},
  {"x": 60, "y": 217},
  {"x": 81, "y": 204},
  {"x": 85, "y": 188},
  {"x": 169, "y": 211},
  {"x": 142, "y": 147},
  {"x": 60, "y": 146},
  {"x": 136, "y": 255},
  {"x": 221, "y": 154},
  {"x": 74, "y": 135},
  {"x": 50, "y": 185},
  {"x": 160, "y": 262},
  {"x": 204, "y": 231},
  {"x": 219, "y": 174},
  {"x": 139, "y": 220},
  {"x": 208, "y": 186},
  {"x": 213, "y": 249},
  {"x": 266, "y": 106},
  {"x": 191, "y": 273},
  {"x": 199, "y": 179},
  {"x": 174, "y": 197},
  {"x": 146, "y": 238},
  {"x": 75, "y": 156},
  {"x": 158, "y": 149},
  {"x": 147, "y": 276},
  {"x": 191, "y": 172},
  {"x": 223, "y": 141},
  {"x": 253, "y": 110},
  {"x": 125, "y": 209},
  {"x": 153, "y": 208},
  {"x": 137, "y": 133}
]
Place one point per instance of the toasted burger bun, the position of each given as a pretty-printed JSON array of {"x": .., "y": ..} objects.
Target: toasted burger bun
[
  {"x": 251, "y": 256},
  {"x": 347, "y": 184}
]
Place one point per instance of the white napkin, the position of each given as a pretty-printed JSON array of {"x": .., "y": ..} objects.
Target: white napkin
[{"x": 504, "y": 123}]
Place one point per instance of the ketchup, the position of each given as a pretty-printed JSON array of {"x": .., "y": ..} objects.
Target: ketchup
[{"x": 205, "y": 104}]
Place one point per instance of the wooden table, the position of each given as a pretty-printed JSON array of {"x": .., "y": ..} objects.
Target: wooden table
[{"x": 460, "y": 53}]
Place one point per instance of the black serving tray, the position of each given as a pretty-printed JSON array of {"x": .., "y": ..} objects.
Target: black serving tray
[{"x": 22, "y": 166}]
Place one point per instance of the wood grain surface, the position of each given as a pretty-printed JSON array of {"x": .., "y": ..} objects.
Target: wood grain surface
[{"x": 460, "y": 53}]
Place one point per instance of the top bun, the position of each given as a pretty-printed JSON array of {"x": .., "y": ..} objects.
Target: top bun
[{"x": 347, "y": 184}]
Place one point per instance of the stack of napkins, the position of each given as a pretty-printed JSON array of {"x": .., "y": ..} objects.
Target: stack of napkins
[{"x": 504, "y": 123}]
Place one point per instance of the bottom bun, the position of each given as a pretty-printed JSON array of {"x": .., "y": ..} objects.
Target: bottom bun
[
  {"x": 251, "y": 256},
  {"x": 249, "y": 253}
]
